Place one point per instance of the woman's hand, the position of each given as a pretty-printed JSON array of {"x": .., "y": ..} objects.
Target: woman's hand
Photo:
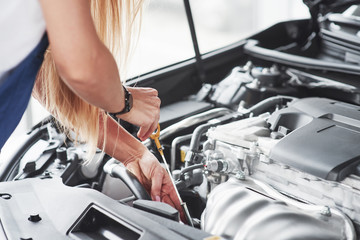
[
  {"x": 137, "y": 158},
  {"x": 145, "y": 112},
  {"x": 155, "y": 180}
]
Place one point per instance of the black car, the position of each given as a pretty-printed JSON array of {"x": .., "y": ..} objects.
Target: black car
[{"x": 262, "y": 139}]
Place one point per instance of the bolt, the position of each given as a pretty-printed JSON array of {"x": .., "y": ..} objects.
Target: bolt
[
  {"x": 216, "y": 179},
  {"x": 240, "y": 175},
  {"x": 325, "y": 211}
]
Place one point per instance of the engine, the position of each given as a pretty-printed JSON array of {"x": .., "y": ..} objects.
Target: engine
[
  {"x": 290, "y": 174},
  {"x": 277, "y": 157},
  {"x": 260, "y": 160}
]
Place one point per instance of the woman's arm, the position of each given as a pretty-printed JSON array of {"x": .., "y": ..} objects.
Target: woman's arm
[
  {"x": 134, "y": 155},
  {"x": 87, "y": 66},
  {"x": 82, "y": 60}
]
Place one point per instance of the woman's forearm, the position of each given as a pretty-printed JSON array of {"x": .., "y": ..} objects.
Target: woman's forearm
[
  {"x": 88, "y": 68},
  {"x": 118, "y": 142}
]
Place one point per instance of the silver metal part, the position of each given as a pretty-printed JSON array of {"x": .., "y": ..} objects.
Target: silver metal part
[
  {"x": 309, "y": 188},
  {"x": 235, "y": 211},
  {"x": 344, "y": 195},
  {"x": 190, "y": 121},
  {"x": 249, "y": 209}
]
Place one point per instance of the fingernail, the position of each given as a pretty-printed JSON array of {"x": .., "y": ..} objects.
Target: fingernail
[{"x": 157, "y": 198}]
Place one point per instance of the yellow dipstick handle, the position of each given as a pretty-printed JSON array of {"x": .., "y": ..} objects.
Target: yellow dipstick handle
[{"x": 155, "y": 137}]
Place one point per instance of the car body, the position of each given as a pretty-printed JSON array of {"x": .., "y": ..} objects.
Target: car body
[{"x": 261, "y": 137}]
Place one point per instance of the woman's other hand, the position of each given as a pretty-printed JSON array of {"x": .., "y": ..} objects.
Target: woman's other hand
[
  {"x": 138, "y": 159},
  {"x": 145, "y": 112},
  {"x": 155, "y": 179}
]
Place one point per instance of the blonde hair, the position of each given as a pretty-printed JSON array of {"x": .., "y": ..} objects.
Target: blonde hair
[{"x": 115, "y": 22}]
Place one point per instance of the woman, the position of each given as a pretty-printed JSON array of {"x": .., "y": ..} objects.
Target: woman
[{"x": 79, "y": 79}]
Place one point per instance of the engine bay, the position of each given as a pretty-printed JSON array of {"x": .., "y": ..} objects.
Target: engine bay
[
  {"x": 280, "y": 162},
  {"x": 268, "y": 151}
]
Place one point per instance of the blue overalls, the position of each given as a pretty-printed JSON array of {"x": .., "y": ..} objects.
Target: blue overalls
[{"x": 16, "y": 90}]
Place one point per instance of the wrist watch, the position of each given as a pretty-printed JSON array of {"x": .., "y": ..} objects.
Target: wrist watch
[{"x": 128, "y": 99}]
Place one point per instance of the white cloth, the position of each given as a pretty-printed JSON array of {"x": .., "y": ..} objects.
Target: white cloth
[{"x": 21, "y": 27}]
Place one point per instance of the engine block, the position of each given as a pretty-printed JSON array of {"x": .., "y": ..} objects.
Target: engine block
[{"x": 307, "y": 151}]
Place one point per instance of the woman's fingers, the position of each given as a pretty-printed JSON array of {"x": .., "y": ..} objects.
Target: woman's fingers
[{"x": 156, "y": 184}]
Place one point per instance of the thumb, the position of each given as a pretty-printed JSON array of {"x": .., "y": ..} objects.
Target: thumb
[{"x": 142, "y": 133}]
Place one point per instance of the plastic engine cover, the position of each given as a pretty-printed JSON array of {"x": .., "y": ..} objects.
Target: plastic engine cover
[{"x": 322, "y": 137}]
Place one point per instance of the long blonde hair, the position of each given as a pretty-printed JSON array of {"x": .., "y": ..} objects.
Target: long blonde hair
[{"x": 115, "y": 22}]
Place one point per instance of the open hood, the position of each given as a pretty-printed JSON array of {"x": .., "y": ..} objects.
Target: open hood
[
  {"x": 326, "y": 6},
  {"x": 329, "y": 41}
]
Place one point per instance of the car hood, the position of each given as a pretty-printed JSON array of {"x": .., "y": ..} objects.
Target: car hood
[{"x": 326, "y": 6}]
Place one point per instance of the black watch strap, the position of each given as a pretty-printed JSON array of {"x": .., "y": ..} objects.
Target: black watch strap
[{"x": 128, "y": 104}]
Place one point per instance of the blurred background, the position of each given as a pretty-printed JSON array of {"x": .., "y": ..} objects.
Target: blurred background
[{"x": 165, "y": 37}]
